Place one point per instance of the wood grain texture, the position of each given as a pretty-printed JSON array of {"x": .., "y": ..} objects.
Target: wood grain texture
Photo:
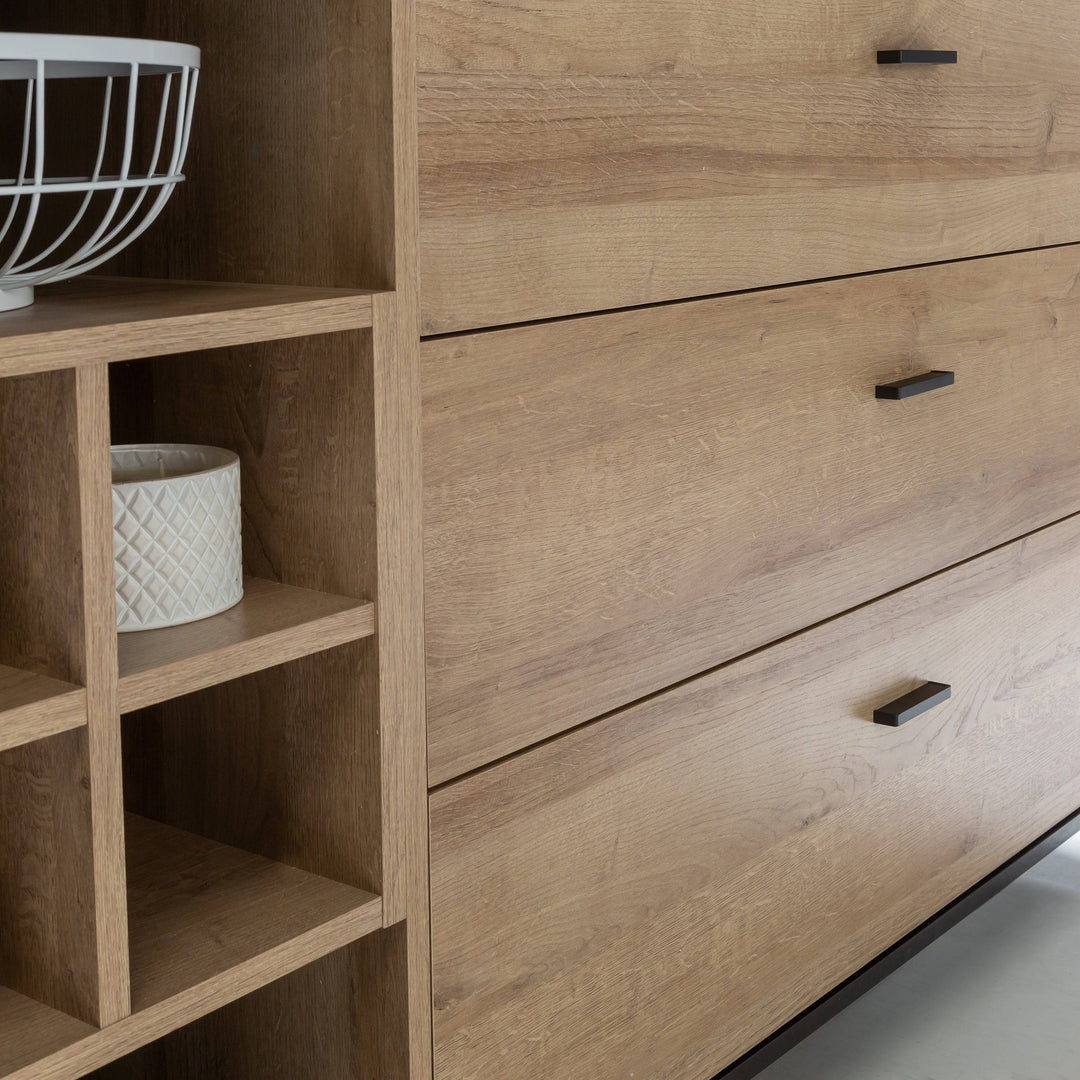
[
  {"x": 268, "y": 1032},
  {"x": 199, "y": 909},
  {"x": 48, "y": 947},
  {"x": 35, "y": 707},
  {"x": 105, "y": 774},
  {"x": 41, "y": 625},
  {"x": 415, "y": 973},
  {"x": 328, "y": 436},
  {"x": 307, "y": 763},
  {"x": 271, "y": 625},
  {"x": 579, "y": 155},
  {"x": 284, "y": 762},
  {"x": 280, "y": 1014},
  {"x": 656, "y": 892},
  {"x": 616, "y": 503},
  {"x": 280, "y": 763},
  {"x": 396, "y": 398},
  {"x": 105, "y": 320},
  {"x": 32, "y": 1031}
]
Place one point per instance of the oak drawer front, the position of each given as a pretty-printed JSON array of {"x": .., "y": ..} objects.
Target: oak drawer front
[
  {"x": 616, "y": 503},
  {"x": 652, "y": 894},
  {"x": 582, "y": 155}
]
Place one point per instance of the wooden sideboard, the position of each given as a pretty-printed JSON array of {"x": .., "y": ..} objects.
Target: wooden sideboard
[
  {"x": 680, "y": 547},
  {"x": 662, "y": 533}
]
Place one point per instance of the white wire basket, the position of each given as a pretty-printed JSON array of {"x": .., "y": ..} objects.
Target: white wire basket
[{"x": 54, "y": 226}]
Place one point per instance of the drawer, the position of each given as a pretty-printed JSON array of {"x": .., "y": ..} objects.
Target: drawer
[
  {"x": 619, "y": 502},
  {"x": 654, "y": 893},
  {"x": 581, "y": 155}
]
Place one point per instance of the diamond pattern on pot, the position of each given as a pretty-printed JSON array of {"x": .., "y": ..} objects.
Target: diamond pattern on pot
[{"x": 177, "y": 547}]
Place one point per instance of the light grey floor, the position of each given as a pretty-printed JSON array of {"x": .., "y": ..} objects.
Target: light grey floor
[{"x": 996, "y": 998}]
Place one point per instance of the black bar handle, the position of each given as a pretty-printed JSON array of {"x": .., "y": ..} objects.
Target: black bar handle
[
  {"x": 917, "y": 384},
  {"x": 911, "y": 705},
  {"x": 916, "y": 56}
]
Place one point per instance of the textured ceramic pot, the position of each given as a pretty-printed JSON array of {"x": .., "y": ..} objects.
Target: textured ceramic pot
[{"x": 176, "y": 533}]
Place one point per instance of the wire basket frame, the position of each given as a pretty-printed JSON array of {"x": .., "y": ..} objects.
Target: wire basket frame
[{"x": 39, "y": 245}]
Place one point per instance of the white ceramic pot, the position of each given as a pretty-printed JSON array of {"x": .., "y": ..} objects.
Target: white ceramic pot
[{"x": 176, "y": 533}]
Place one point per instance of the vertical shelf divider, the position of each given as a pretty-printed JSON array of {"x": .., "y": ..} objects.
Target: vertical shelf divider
[
  {"x": 103, "y": 713},
  {"x": 393, "y": 593},
  {"x": 47, "y": 922}
]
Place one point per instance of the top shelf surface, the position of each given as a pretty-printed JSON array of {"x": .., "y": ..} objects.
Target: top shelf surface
[{"x": 98, "y": 320}]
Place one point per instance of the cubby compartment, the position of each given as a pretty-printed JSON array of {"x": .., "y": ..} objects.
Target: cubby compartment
[
  {"x": 254, "y": 826},
  {"x": 42, "y": 645},
  {"x": 300, "y": 416},
  {"x": 330, "y": 1019},
  {"x": 48, "y": 961}
]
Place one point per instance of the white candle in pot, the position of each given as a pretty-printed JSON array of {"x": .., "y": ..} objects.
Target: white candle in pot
[{"x": 176, "y": 533}]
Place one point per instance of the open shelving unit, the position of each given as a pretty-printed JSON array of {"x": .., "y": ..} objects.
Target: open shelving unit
[
  {"x": 194, "y": 815},
  {"x": 282, "y": 742}
]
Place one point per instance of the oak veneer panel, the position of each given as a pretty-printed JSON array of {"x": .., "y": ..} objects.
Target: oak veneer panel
[
  {"x": 35, "y": 706},
  {"x": 578, "y": 155},
  {"x": 307, "y": 1021},
  {"x": 656, "y": 892},
  {"x": 272, "y": 624},
  {"x": 399, "y": 509},
  {"x": 404, "y": 384},
  {"x": 323, "y": 1020},
  {"x": 284, "y": 762},
  {"x": 619, "y": 502},
  {"x": 104, "y": 320},
  {"x": 199, "y": 909},
  {"x": 314, "y": 763},
  {"x": 279, "y": 762},
  {"x": 30, "y": 1030},
  {"x": 269, "y": 1033},
  {"x": 41, "y": 604},
  {"x": 48, "y": 945},
  {"x": 104, "y": 768}
]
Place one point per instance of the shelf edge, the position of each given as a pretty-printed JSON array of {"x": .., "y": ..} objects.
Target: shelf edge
[
  {"x": 64, "y": 711},
  {"x": 141, "y": 689},
  {"x": 145, "y": 336}
]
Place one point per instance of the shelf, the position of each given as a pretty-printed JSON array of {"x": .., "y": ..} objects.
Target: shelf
[
  {"x": 102, "y": 320},
  {"x": 30, "y": 1031},
  {"x": 272, "y": 625},
  {"x": 212, "y": 922},
  {"x": 208, "y": 925},
  {"x": 35, "y": 707}
]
